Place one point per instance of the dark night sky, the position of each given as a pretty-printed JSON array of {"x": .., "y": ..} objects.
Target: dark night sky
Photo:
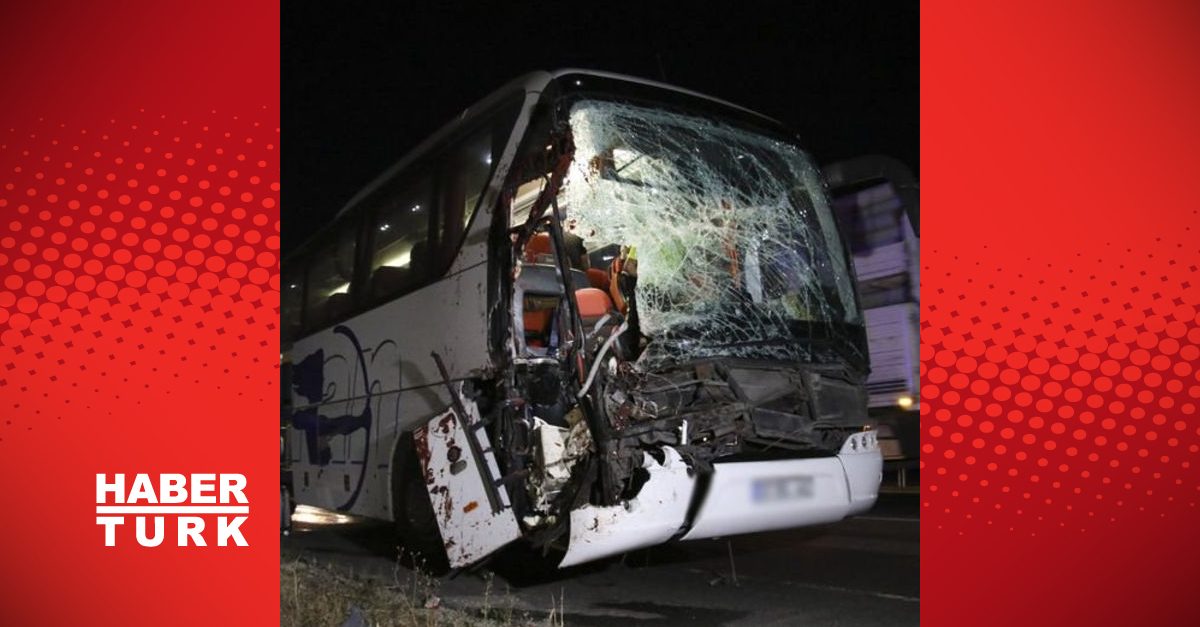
[{"x": 362, "y": 87}]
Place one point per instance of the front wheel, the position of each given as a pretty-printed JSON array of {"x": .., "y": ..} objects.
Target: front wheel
[{"x": 417, "y": 533}]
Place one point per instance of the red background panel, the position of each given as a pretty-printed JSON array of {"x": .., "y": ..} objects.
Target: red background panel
[
  {"x": 1060, "y": 338},
  {"x": 139, "y": 240}
]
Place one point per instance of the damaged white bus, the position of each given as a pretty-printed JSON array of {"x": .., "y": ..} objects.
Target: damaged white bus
[{"x": 594, "y": 313}]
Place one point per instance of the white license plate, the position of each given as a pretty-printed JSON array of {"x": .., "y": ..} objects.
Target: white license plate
[{"x": 775, "y": 489}]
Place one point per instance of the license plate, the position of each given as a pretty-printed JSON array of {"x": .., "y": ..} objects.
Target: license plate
[{"x": 774, "y": 489}]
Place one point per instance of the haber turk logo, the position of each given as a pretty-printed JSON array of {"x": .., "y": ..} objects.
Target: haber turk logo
[{"x": 184, "y": 498}]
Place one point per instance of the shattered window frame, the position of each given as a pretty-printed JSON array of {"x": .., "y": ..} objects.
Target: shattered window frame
[{"x": 785, "y": 179}]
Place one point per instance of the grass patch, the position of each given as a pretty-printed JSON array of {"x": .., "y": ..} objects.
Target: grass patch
[{"x": 317, "y": 595}]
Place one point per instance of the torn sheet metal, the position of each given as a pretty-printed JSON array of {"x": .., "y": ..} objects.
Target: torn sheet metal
[
  {"x": 652, "y": 517},
  {"x": 748, "y": 497},
  {"x": 557, "y": 450},
  {"x": 469, "y": 528},
  {"x": 735, "y": 241}
]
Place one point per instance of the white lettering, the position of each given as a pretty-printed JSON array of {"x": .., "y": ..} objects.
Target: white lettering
[
  {"x": 172, "y": 488},
  {"x": 233, "y": 485},
  {"x": 158, "y": 531},
  {"x": 199, "y": 487},
  {"x": 118, "y": 488},
  {"x": 142, "y": 489},
  {"x": 191, "y": 526},
  {"x": 174, "y": 497},
  {"x": 110, "y": 529},
  {"x": 225, "y": 531}
]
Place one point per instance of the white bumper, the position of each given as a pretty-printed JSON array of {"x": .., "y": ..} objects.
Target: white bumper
[
  {"x": 742, "y": 497},
  {"x": 748, "y": 497}
]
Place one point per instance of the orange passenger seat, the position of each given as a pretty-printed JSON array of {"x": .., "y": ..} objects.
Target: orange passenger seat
[
  {"x": 593, "y": 304},
  {"x": 537, "y": 326},
  {"x": 598, "y": 278},
  {"x": 538, "y": 245}
]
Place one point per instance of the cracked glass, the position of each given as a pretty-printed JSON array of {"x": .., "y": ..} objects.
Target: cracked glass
[{"x": 737, "y": 250}]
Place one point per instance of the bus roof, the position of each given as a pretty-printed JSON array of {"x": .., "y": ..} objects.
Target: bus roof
[{"x": 532, "y": 83}]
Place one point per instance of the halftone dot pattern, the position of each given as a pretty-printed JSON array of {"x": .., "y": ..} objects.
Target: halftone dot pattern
[
  {"x": 1057, "y": 398},
  {"x": 127, "y": 275}
]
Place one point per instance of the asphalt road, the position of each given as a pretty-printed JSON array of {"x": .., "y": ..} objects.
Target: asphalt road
[{"x": 862, "y": 571}]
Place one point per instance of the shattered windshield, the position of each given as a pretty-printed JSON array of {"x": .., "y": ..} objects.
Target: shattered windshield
[{"x": 736, "y": 249}]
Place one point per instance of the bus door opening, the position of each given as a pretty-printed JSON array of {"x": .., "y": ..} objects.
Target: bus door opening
[{"x": 562, "y": 317}]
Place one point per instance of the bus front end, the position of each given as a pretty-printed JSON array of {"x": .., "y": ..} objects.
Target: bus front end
[{"x": 687, "y": 354}]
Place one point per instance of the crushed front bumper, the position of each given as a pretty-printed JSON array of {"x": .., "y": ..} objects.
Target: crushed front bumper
[{"x": 741, "y": 497}]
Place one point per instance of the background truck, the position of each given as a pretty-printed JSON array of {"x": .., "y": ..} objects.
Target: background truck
[{"x": 877, "y": 200}]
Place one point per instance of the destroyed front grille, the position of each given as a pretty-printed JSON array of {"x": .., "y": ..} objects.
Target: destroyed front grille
[{"x": 838, "y": 403}]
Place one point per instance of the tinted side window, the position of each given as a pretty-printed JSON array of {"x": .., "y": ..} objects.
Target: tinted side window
[
  {"x": 401, "y": 256},
  {"x": 418, "y": 220},
  {"x": 466, "y": 167},
  {"x": 330, "y": 274}
]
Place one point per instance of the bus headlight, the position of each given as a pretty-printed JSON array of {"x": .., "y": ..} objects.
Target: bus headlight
[{"x": 861, "y": 442}]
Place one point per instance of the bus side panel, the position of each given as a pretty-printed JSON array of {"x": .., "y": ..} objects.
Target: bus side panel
[
  {"x": 473, "y": 522},
  {"x": 359, "y": 384}
]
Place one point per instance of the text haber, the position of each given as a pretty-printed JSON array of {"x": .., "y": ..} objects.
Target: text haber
[{"x": 210, "y": 494}]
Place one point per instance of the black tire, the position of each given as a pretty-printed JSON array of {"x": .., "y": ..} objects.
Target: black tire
[
  {"x": 521, "y": 564},
  {"x": 417, "y": 533}
]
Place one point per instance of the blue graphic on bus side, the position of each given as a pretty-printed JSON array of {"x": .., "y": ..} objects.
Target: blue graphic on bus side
[{"x": 308, "y": 380}]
